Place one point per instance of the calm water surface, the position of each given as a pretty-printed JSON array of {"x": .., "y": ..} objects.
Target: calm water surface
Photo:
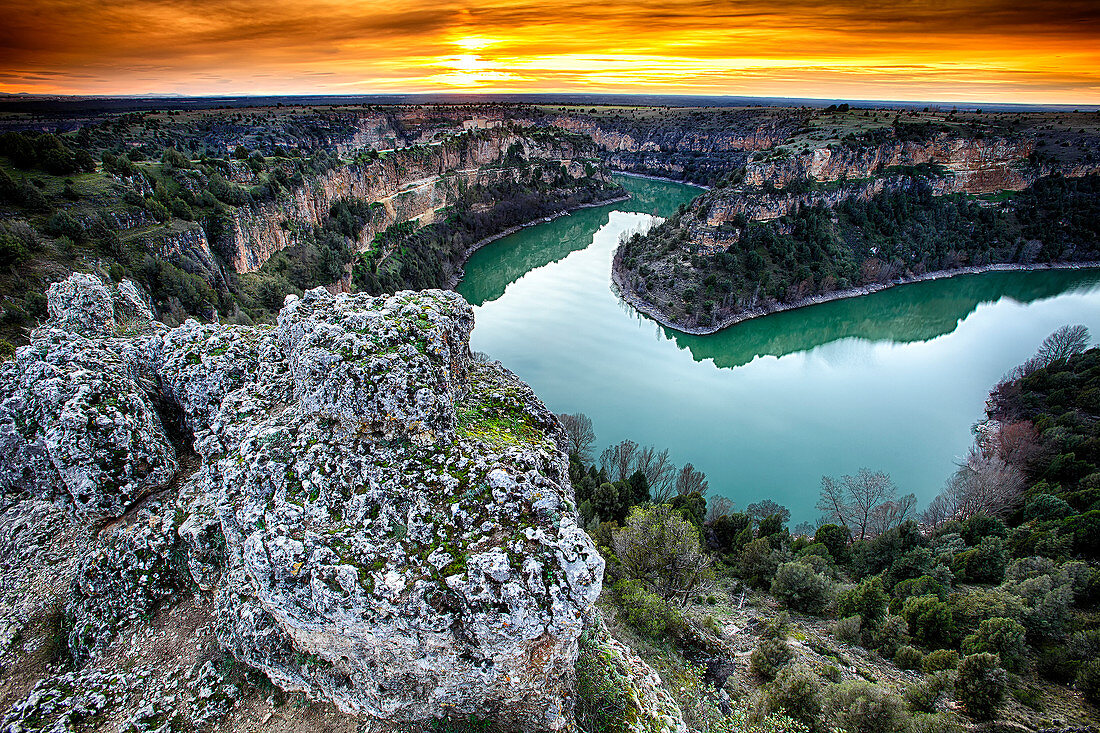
[{"x": 892, "y": 381}]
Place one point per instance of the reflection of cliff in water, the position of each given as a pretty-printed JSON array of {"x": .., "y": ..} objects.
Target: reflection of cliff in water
[
  {"x": 497, "y": 267},
  {"x": 494, "y": 268},
  {"x": 907, "y": 313}
]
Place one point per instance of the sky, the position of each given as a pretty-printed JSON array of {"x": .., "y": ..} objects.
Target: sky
[{"x": 1039, "y": 51}]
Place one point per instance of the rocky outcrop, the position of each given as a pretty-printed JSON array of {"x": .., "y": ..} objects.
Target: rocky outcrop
[
  {"x": 77, "y": 419},
  {"x": 973, "y": 165},
  {"x": 380, "y": 521}
]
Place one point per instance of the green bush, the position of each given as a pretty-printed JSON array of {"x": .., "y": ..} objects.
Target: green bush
[
  {"x": 796, "y": 692},
  {"x": 980, "y": 685},
  {"x": 757, "y": 563},
  {"x": 982, "y": 564},
  {"x": 847, "y": 630},
  {"x": 647, "y": 612},
  {"x": 908, "y": 657},
  {"x": 924, "y": 695},
  {"x": 1001, "y": 636},
  {"x": 603, "y": 700},
  {"x": 862, "y": 707},
  {"x": 940, "y": 660},
  {"x": 929, "y": 619},
  {"x": 768, "y": 656},
  {"x": 867, "y": 600},
  {"x": 1088, "y": 680},
  {"x": 798, "y": 587}
]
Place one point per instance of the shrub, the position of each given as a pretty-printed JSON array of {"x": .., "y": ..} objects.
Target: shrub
[
  {"x": 1088, "y": 680},
  {"x": 908, "y": 657},
  {"x": 757, "y": 563},
  {"x": 863, "y": 707},
  {"x": 980, "y": 685},
  {"x": 867, "y": 600},
  {"x": 887, "y": 636},
  {"x": 929, "y": 619},
  {"x": 940, "y": 660},
  {"x": 925, "y": 694},
  {"x": 835, "y": 538},
  {"x": 1001, "y": 636},
  {"x": 660, "y": 548},
  {"x": 603, "y": 700},
  {"x": 847, "y": 630},
  {"x": 937, "y": 723},
  {"x": 768, "y": 656},
  {"x": 1045, "y": 507},
  {"x": 982, "y": 564},
  {"x": 796, "y": 692},
  {"x": 925, "y": 585},
  {"x": 797, "y": 586},
  {"x": 647, "y": 612}
]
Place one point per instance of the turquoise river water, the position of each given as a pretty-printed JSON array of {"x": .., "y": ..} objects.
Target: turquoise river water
[{"x": 892, "y": 381}]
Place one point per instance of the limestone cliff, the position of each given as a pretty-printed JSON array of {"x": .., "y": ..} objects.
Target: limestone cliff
[
  {"x": 410, "y": 183},
  {"x": 376, "y": 519}
]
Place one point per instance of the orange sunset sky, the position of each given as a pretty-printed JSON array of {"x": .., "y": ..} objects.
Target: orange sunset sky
[{"x": 973, "y": 50}]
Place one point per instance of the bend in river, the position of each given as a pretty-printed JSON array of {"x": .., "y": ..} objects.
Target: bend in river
[{"x": 892, "y": 381}]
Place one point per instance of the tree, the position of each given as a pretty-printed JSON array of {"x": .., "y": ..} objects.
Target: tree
[
  {"x": 984, "y": 484},
  {"x": 659, "y": 472},
  {"x": 761, "y": 509},
  {"x": 866, "y": 502},
  {"x": 718, "y": 506},
  {"x": 618, "y": 460},
  {"x": 579, "y": 435},
  {"x": 661, "y": 549},
  {"x": 690, "y": 481},
  {"x": 1067, "y": 341}
]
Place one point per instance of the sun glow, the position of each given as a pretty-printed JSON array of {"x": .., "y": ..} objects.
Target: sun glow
[{"x": 933, "y": 51}]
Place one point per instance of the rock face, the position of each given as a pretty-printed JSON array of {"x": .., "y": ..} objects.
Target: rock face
[
  {"x": 383, "y": 522},
  {"x": 77, "y": 419}
]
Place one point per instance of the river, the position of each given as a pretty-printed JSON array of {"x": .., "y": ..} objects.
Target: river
[{"x": 891, "y": 381}]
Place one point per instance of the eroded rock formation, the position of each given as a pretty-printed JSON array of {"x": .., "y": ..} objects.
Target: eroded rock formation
[{"x": 382, "y": 521}]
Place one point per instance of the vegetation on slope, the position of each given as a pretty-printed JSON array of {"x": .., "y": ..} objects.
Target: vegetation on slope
[
  {"x": 982, "y": 608},
  {"x": 901, "y": 232}
]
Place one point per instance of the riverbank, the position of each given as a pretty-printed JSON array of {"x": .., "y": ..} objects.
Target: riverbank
[
  {"x": 457, "y": 277},
  {"x": 642, "y": 306}
]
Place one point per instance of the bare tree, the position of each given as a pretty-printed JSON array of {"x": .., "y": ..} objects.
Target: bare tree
[
  {"x": 659, "y": 472},
  {"x": 766, "y": 508},
  {"x": 985, "y": 485},
  {"x": 890, "y": 514},
  {"x": 618, "y": 460},
  {"x": 579, "y": 435},
  {"x": 855, "y": 501},
  {"x": 1063, "y": 343},
  {"x": 940, "y": 511},
  {"x": 1067, "y": 341},
  {"x": 688, "y": 481},
  {"x": 718, "y": 506}
]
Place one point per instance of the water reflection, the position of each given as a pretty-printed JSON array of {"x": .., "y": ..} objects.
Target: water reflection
[{"x": 905, "y": 314}]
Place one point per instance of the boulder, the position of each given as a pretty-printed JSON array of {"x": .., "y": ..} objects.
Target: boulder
[
  {"x": 400, "y": 530},
  {"x": 378, "y": 519}
]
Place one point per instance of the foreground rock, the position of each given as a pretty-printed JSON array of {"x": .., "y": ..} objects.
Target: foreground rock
[{"x": 380, "y": 521}]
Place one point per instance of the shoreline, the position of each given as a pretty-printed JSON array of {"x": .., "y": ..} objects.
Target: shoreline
[
  {"x": 460, "y": 274},
  {"x": 660, "y": 178},
  {"x": 650, "y": 311}
]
